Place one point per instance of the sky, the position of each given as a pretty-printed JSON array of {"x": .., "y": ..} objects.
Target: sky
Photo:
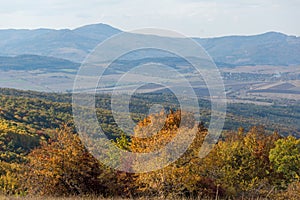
[{"x": 193, "y": 18}]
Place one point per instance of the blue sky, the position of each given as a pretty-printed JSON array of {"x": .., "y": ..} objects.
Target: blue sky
[{"x": 201, "y": 18}]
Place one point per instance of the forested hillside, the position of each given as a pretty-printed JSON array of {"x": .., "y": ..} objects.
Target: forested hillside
[
  {"x": 271, "y": 48},
  {"x": 41, "y": 154}
]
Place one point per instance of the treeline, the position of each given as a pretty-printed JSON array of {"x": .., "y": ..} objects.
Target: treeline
[
  {"x": 241, "y": 165},
  {"x": 57, "y": 108}
]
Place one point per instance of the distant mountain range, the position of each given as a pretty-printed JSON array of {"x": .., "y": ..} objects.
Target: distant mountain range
[
  {"x": 35, "y": 62},
  {"x": 266, "y": 49},
  {"x": 270, "y": 48},
  {"x": 68, "y": 44}
]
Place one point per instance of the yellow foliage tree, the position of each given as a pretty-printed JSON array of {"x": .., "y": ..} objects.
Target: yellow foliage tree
[
  {"x": 240, "y": 163},
  {"x": 9, "y": 181},
  {"x": 181, "y": 178}
]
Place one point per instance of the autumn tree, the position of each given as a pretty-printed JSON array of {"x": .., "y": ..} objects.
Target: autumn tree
[
  {"x": 240, "y": 163},
  {"x": 181, "y": 178},
  {"x": 9, "y": 178},
  {"x": 63, "y": 166}
]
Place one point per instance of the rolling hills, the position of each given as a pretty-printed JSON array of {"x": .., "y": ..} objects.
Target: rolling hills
[
  {"x": 270, "y": 48},
  {"x": 35, "y": 62},
  {"x": 68, "y": 44}
]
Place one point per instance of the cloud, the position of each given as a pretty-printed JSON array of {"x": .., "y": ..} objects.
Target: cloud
[{"x": 191, "y": 17}]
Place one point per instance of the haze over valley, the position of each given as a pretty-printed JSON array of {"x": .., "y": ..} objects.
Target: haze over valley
[{"x": 260, "y": 69}]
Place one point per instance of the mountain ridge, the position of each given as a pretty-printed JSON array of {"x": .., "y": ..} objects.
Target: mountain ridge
[{"x": 270, "y": 48}]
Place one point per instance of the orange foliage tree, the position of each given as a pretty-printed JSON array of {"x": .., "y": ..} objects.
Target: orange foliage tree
[{"x": 63, "y": 166}]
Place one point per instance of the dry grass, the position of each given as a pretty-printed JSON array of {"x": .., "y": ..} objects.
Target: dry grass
[
  {"x": 77, "y": 198},
  {"x": 55, "y": 198}
]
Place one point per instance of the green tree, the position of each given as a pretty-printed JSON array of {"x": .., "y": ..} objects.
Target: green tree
[
  {"x": 240, "y": 163},
  {"x": 286, "y": 158}
]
